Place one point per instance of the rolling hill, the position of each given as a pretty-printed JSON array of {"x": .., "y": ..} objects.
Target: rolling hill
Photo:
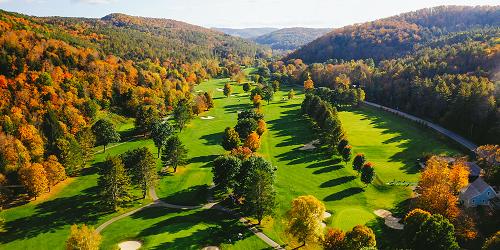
[
  {"x": 246, "y": 32},
  {"x": 290, "y": 38},
  {"x": 398, "y": 35}
]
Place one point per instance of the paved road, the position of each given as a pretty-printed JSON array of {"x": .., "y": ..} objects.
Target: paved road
[
  {"x": 210, "y": 205},
  {"x": 452, "y": 135}
]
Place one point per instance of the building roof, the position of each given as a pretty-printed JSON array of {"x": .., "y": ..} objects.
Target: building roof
[
  {"x": 475, "y": 188},
  {"x": 474, "y": 169}
]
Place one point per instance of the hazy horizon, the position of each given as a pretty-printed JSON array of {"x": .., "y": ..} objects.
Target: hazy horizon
[{"x": 235, "y": 14}]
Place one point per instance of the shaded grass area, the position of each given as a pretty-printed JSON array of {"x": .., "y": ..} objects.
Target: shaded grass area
[{"x": 162, "y": 228}]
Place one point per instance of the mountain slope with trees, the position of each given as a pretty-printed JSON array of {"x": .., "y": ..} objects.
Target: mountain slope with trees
[
  {"x": 398, "y": 35},
  {"x": 246, "y": 32},
  {"x": 289, "y": 38}
]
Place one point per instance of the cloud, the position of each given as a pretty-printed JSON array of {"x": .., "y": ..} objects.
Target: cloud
[{"x": 94, "y": 1}]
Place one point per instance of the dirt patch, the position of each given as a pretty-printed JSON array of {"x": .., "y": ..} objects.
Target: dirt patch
[
  {"x": 207, "y": 117},
  {"x": 310, "y": 145},
  {"x": 130, "y": 245}
]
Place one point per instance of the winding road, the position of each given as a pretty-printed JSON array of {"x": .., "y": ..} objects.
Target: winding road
[
  {"x": 210, "y": 205},
  {"x": 452, "y": 135}
]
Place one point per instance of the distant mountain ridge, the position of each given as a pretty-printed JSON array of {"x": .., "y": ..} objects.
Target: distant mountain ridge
[
  {"x": 246, "y": 32},
  {"x": 290, "y": 38},
  {"x": 397, "y": 35}
]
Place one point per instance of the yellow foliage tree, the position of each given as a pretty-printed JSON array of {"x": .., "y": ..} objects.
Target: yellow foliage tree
[
  {"x": 252, "y": 142},
  {"x": 83, "y": 238},
  {"x": 304, "y": 219},
  {"x": 261, "y": 127},
  {"x": 30, "y": 137},
  {"x": 55, "y": 171},
  {"x": 13, "y": 153},
  {"x": 308, "y": 84},
  {"x": 34, "y": 179},
  {"x": 257, "y": 101}
]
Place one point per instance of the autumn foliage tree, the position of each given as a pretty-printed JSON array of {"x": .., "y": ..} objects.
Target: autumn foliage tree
[
  {"x": 261, "y": 127},
  {"x": 358, "y": 162},
  {"x": 83, "y": 238},
  {"x": 252, "y": 142},
  {"x": 228, "y": 89},
  {"x": 360, "y": 237},
  {"x": 308, "y": 84},
  {"x": 34, "y": 179},
  {"x": 54, "y": 170},
  {"x": 304, "y": 219},
  {"x": 230, "y": 139},
  {"x": 367, "y": 173},
  {"x": 334, "y": 239}
]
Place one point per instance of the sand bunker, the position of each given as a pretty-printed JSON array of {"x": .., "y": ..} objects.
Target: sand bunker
[
  {"x": 220, "y": 90},
  {"x": 207, "y": 117},
  {"x": 390, "y": 221},
  {"x": 210, "y": 248},
  {"x": 130, "y": 245},
  {"x": 326, "y": 215},
  {"x": 310, "y": 145}
]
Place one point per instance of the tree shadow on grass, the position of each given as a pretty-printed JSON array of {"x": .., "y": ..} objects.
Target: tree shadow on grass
[
  {"x": 321, "y": 164},
  {"x": 192, "y": 196},
  {"x": 203, "y": 159},
  {"x": 233, "y": 108},
  {"x": 55, "y": 214},
  {"x": 212, "y": 139},
  {"x": 221, "y": 229},
  {"x": 328, "y": 169},
  {"x": 344, "y": 194},
  {"x": 337, "y": 181}
]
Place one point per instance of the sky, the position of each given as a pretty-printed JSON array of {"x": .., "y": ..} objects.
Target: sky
[{"x": 237, "y": 13}]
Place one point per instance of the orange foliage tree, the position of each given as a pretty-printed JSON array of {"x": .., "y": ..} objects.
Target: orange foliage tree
[
  {"x": 55, "y": 171},
  {"x": 252, "y": 142},
  {"x": 261, "y": 127},
  {"x": 34, "y": 179},
  {"x": 30, "y": 137}
]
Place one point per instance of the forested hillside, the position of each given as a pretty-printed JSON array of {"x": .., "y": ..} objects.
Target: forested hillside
[
  {"x": 398, "y": 35},
  {"x": 246, "y": 32},
  {"x": 57, "y": 73},
  {"x": 289, "y": 38}
]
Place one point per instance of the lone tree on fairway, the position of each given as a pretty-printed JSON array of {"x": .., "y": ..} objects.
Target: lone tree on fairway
[
  {"x": 252, "y": 142},
  {"x": 225, "y": 168},
  {"x": 209, "y": 100},
  {"x": 160, "y": 131},
  {"x": 230, "y": 139},
  {"x": 358, "y": 162},
  {"x": 34, "y": 179},
  {"x": 360, "y": 237},
  {"x": 228, "y": 89},
  {"x": 114, "y": 183},
  {"x": 304, "y": 219},
  {"x": 261, "y": 127},
  {"x": 246, "y": 86},
  {"x": 276, "y": 86},
  {"x": 267, "y": 94},
  {"x": 308, "y": 85},
  {"x": 182, "y": 113},
  {"x": 436, "y": 233},
  {"x": 291, "y": 94},
  {"x": 83, "y": 238},
  {"x": 174, "y": 154},
  {"x": 257, "y": 101},
  {"x": 141, "y": 165},
  {"x": 260, "y": 197},
  {"x": 105, "y": 133},
  {"x": 367, "y": 173},
  {"x": 346, "y": 153}
]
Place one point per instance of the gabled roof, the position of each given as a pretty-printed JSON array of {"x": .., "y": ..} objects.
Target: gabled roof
[
  {"x": 474, "y": 169},
  {"x": 475, "y": 188}
]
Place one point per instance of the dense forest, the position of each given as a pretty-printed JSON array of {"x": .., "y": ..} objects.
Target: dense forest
[
  {"x": 450, "y": 76},
  {"x": 289, "y": 38},
  {"x": 246, "y": 32},
  {"x": 57, "y": 75},
  {"x": 396, "y": 36}
]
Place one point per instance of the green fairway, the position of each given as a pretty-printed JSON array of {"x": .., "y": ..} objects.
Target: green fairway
[{"x": 390, "y": 142}]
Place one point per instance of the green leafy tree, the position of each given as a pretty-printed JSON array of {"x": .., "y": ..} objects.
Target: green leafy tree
[
  {"x": 250, "y": 114},
  {"x": 145, "y": 117},
  {"x": 209, "y": 100},
  {"x": 358, "y": 162},
  {"x": 52, "y": 130},
  {"x": 268, "y": 94},
  {"x": 114, "y": 183},
  {"x": 413, "y": 221},
  {"x": 83, "y": 238},
  {"x": 367, "y": 173},
  {"x": 360, "y": 237},
  {"x": 182, "y": 113},
  {"x": 255, "y": 91},
  {"x": 276, "y": 86},
  {"x": 436, "y": 233},
  {"x": 225, "y": 168},
  {"x": 141, "y": 165},
  {"x": 70, "y": 155},
  {"x": 105, "y": 133},
  {"x": 246, "y": 86},
  {"x": 291, "y": 94},
  {"x": 248, "y": 166},
  {"x": 230, "y": 139},
  {"x": 160, "y": 131},
  {"x": 245, "y": 127},
  {"x": 174, "y": 153},
  {"x": 228, "y": 89},
  {"x": 346, "y": 153},
  {"x": 260, "y": 197},
  {"x": 341, "y": 145}
]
